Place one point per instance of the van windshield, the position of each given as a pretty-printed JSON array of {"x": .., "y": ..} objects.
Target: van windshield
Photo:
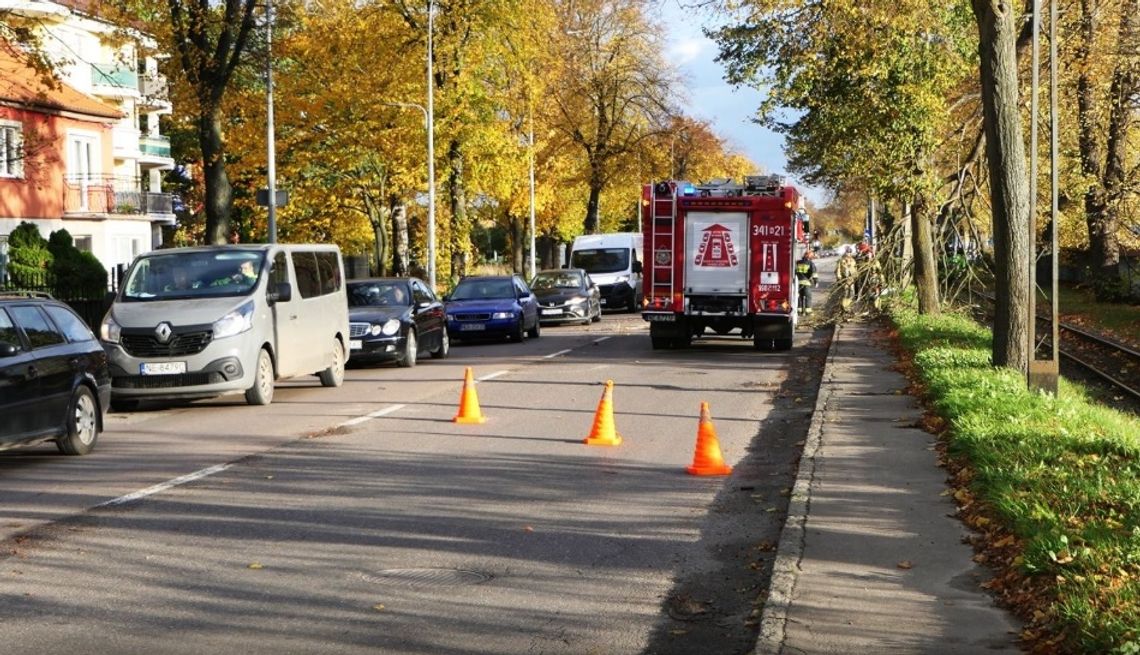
[
  {"x": 178, "y": 276},
  {"x": 602, "y": 260}
]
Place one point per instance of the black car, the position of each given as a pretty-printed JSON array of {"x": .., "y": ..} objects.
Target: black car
[
  {"x": 395, "y": 319},
  {"x": 54, "y": 380},
  {"x": 566, "y": 295}
]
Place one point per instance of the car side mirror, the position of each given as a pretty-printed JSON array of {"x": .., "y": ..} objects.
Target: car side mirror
[
  {"x": 420, "y": 306},
  {"x": 7, "y": 349},
  {"x": 283, "y": 293},
  {"x": 637, "y": 267}
]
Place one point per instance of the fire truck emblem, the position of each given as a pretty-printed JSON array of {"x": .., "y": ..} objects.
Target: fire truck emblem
[
  {"x": 768, "y": 274},
  {"x": 662, "y": 257},
  {"x": 716, "y": 248}
]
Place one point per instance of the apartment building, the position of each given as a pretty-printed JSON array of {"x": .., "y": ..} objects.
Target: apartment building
[{"x": 86, "y": 154}]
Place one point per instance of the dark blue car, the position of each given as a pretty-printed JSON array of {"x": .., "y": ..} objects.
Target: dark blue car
[{"x": 492, "y": 306}]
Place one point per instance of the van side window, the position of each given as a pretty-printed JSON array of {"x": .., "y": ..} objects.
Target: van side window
[
  {"x": 278, "y": 271},
  {"x": 329, "y": 267},
  {"x": 308, "y": 276}
]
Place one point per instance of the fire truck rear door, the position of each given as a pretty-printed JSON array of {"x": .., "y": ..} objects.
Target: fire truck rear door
[{"x": 716, "y": 257}]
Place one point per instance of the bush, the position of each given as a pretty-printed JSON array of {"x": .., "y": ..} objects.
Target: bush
[{"x": 76, "y": 274}]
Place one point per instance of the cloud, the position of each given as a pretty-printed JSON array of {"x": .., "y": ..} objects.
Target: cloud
[{"x": 687, "y": 50}]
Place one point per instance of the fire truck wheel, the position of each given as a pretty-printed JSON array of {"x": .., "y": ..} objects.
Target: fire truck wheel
[
  {"x": 661, "y": 343},
  {"x": 783, "y": 344}
]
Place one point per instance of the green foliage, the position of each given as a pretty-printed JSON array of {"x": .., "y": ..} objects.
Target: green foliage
[
  {"x": 1061, "y": 473},
  {"x": 75, "y": 273},
  {"x": 29, "y": 257}
]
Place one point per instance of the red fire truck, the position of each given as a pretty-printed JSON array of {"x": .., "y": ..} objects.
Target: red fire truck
[{"x": 719, "y": 257}]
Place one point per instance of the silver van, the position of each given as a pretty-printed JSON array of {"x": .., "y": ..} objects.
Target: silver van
[{"x": 212, "y": 320}]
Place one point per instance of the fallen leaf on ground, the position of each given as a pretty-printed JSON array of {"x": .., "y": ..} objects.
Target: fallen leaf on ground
[
  {"x": 256, "y": 565},
  {"x": 905, "y": 564}
]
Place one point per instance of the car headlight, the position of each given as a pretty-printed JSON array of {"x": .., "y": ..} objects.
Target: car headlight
[
  {"x": 503, "y": 315},
  {"x": 392, "y": 326},
  {"x": 236, "y": 322},
  {"x": 375, "y": 329},
  {"x": 576, "y": 301},
  {"x": 450, "y": 317},
  {"x": 109, "y": 330}
]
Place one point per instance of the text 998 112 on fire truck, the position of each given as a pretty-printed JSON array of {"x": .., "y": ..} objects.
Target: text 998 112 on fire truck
[{"x": 720, "y": 257}]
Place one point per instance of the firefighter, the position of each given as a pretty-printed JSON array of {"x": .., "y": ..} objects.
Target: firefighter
[
  {"x": 806, "y": 278},
  {"x": 845, "y": 272}
]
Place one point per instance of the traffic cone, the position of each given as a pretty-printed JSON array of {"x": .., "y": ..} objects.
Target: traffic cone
[
  {"x": 469, "y": 411},
  {"x": 707, "y": 459},
  {"x": 603, "y": 432}
]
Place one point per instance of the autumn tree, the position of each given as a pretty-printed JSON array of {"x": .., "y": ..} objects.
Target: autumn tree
[
  {"x": 869, "y": 83},
  {"x": 1009, "y": 182},
  {"x": 612, "y": 89}
]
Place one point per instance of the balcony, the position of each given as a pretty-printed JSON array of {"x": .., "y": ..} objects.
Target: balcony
[
  {"x": 107, "y": 195},
  {"x": 155, "y": 152},
  {"x": 114, "y": 80}
]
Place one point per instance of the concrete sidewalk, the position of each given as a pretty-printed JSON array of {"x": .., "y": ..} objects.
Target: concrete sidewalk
[{"x": 870, "y": 559}]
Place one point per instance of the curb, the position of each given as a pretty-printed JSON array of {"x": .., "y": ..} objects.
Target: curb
[{"x": 790, "y": 550}]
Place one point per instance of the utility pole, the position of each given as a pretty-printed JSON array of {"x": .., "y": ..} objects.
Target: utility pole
[{"x": 270, "y": 143}]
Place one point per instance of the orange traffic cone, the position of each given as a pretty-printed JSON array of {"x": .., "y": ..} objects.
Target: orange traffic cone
[
  {"x": 469, "y": 411},
  {"x": 603, "y": 432},
  {"x": 707, "y": 459}
]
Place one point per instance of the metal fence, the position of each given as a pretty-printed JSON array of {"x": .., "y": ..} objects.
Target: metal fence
[{"x": 91, "y": 304}]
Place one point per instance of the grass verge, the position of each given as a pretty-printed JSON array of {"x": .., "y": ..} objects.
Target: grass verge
[{"x": 1051, "y": 483}]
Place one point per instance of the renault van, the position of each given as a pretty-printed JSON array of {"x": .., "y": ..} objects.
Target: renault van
[
  {"x": 207, "y": 321},
  {"x": 614, "y": 263}
]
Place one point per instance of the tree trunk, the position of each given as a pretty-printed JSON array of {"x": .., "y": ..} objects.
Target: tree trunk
[
  {"x": 399, "y": 239},
  {"x": 1009, "y": 185},
  {"x": 590, "y": 225},
  {"x": 925, "y": 266},
  {"x": 517, "y": 228},
  {"x": 219, "y": 195},
  {"x": 457, "y": 200},
  {"x": 1106, "y": 248}
]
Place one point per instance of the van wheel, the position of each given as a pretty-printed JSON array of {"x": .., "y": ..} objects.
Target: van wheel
[
  {"x": 261, "y": 393},
  {"x": 82, "y": 424},
  {"x": 444, "y": 346},
  {"x": 408, "y": 357},
  {"x": 333, "y": 376}
]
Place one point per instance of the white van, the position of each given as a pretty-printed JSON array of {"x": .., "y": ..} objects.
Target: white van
[
  {"x": 614, "y": 263},
  {"x": 212, "y": 320}
]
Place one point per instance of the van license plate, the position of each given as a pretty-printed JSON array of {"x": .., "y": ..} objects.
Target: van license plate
[
  {"x": 162, "y": 368},
  {"x": 355, "y": 344}
]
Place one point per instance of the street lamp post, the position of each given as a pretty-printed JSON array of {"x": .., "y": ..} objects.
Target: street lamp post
[
  {"x": 532, "y": 236},
  {"x": 270, "y": 145},
  {"x": 431, "y": 181}
]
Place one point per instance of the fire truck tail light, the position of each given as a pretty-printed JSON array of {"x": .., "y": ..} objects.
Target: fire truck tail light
[
  {"x": 678, "y": 301},
  {"x": 785, "y": 306}
]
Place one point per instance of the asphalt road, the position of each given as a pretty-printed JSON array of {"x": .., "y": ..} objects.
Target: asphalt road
[{"x": 361, "y": 519}]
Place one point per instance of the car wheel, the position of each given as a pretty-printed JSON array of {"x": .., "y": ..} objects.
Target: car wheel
[
  {"x": 536, "y": 330},
  {"x": 519, "y": 334},
  {"x": 261, "y": 393},
  {"x": 411, "y": 349},
  {"x": 444, "y": 346},
  {"x": 597, "y": 318},
  {"x": 82, "y": 424},
  {"x": 333, "y": 376}
]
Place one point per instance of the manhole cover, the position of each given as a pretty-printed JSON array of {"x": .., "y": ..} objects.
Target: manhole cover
[{"x": 428, "y": 577}]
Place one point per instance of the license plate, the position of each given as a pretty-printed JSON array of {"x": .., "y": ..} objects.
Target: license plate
[
  {"x": 355, "y": 344},
  {"x": 551, "y": 312},
  {"x": 660, "y": 318},
  {"x": 472, "y": 327},
  {"x": 162, "y": 368}
]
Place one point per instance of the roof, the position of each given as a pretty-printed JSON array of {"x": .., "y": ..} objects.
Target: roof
[{"x": 21, "y": 84}]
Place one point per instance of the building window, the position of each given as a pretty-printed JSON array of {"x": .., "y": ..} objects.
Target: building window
[
  {"x": 82, "y": 243},
  {"x": 11, "y": 149}
]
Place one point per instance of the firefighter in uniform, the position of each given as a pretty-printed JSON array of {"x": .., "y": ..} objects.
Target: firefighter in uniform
[
  {"x": 806, "y": 278},
  {"x": 845, "y": 272}
]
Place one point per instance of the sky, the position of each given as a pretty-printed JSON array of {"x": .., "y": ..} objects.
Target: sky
[{"x": 709, "y": 97}]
